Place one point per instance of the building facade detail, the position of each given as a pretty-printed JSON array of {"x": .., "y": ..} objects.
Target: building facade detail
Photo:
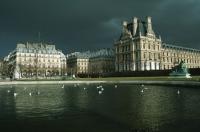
[
  {"x": 140, "y": 49},
  {"x": 78, "y": 62},
  {"x": 36, "y": 60},
  {"x": 102, "y": 61},
  {"x": 91, "y": 62}
]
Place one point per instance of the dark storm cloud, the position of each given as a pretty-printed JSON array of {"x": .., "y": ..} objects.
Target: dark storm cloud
[{"x": 89, "y": 24}]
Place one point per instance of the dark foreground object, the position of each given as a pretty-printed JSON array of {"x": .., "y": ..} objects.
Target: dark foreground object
[{"x": 154, "y": 73}]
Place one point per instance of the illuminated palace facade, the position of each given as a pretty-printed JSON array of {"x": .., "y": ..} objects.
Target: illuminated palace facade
[
  {"x": 36, "y": 60},
  {"x": 140, "y": 49}
]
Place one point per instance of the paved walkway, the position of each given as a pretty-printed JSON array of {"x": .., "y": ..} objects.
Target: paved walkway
[{"x": 177, "y": 83}]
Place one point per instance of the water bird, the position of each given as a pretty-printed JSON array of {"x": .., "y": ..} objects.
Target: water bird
[
  {"x": 142, "y": 91},
  {"x": 178, "y": 92},
  {"x": 24, "y": 88},
  {"x": 102, "y": 89},
  {"x": 84, "y": 88},
  {"x": 142, "y": 85},
  {"x": 30, "y": 94},
  {"x": 100, "y": 92},
  {"x": 8, "y": 91},
  {"x": 38, "y": 92},
  {"x": 145, "y": 88},
  {"x": 15, "y": 94},
  {"x": 115, "y": 86},
  {"x": 63, "y": 86}
]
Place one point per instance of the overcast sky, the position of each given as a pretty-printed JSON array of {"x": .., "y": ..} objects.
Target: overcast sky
[{"x": 78, "y": 25}]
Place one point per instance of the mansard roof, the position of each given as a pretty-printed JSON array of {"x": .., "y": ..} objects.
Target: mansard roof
[
  {"x": 164, "y": 45},
  {"x": 106, "y": 52},
  {"x": 37, "y": 47},
  {"x": 141, "y": 28},
  {"x": 80, "y": 55},
  {"x": 137, "y": 27}
]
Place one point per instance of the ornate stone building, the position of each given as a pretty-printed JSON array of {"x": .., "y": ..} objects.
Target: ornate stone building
[
  {"x": 173, "y": 55},
  {"x": 139, "y": 49},
  {"x": 36, "y": 60}
]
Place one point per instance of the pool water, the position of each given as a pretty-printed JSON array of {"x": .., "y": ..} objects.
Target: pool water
[{"x": 82, "y": 108}]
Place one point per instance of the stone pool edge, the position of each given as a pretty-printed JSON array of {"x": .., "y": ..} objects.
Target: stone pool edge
[{"x": 176, "y": 83}]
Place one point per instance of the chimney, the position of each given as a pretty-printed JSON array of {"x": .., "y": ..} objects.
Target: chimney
[
  {"x": 135, "y": 24},
  {"x": 149, "y": 25},
  {"x": 159, "y": 37},
  {"x": 124, "y": 26}
]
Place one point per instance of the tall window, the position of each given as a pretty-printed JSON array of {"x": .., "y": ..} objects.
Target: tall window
[
  {"x": 150, "y": 57},
  {"x": 143, "y": 46}
]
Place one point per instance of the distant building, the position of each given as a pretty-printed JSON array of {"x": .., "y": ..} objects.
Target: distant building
[
  {"x": 172, "y": 55},
  {"x": 91, "y": 62},
  {"x": 139, "y": 49},
  {"x": 36, "y": 60},
  {"x": 1, "y": 66},
  {"x": 77, "y": 63},
  {"x": 102, "y": 61}
]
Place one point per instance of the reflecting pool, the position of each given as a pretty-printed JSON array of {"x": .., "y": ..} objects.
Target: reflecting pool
[{"x": 99, "y": 108}]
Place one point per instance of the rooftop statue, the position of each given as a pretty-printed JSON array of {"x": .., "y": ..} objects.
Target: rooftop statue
[{"x": 180, "y": 70}]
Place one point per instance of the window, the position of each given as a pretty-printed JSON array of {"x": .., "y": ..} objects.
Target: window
[
  {"x": 155, "y": 56},
  {"x": 150, "y": 57},
  {"x": 143, "y": 46}
]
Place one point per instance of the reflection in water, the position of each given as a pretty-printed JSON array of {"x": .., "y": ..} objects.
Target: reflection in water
[
  {"x": 29, "y": 103},
  {"x": 82, "y": 108}
]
